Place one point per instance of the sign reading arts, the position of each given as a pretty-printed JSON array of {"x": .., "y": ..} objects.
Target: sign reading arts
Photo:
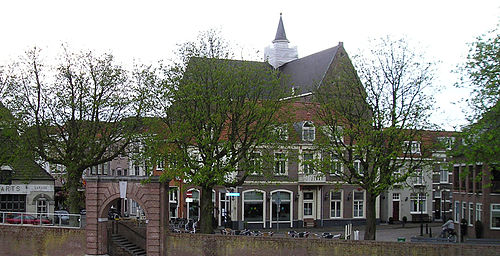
[{"x": 24, "y": 189}]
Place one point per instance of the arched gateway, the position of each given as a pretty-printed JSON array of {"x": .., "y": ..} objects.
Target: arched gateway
[{"x": 152, "y": 196}]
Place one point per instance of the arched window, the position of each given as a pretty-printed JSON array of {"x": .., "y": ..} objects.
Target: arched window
[
  {"x": 42, "y": 206},
  {"x": 308, "y": 131},
  {"x": 281, "y": 207},
  {"x": 253, "y": 206}
]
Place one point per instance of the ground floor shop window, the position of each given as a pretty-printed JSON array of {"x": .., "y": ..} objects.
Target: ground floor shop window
[
  {"x": 253, "y": 209},
  {"x": 495, "y": 216},
  {"x": 225, "y": 209},
  {"x": 193, "y": 205},
  {"x": 13, "y": 203},
  {"x": 281, "y": 209}
]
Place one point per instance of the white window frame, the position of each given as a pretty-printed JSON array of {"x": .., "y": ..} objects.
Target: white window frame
[
  {"x": 444, "y": 178},
  {"x": 308, "y": 167},
  {"x": 396, "y": 197},
  {"x": 309, "y": 201},
  {"x": 282, "y": 170},
  {"x": 414, "y": 146},
  {"x": 291, "y": 206},
  {"x": 464, "y": 210},
  {"x": 42, "y": 206},
  {"x": 357, "y": 166},
  {"x": 263, "y": 207},
  {"x": 361, "y": 203},
  {"x": 255, "y": 159},
  {"x": 491, "y": 215},
  {"x": 448, "y": 142},
  {"x": 308, "y": 131},
  {"x": 327, "y": 131},
  {"x": 479, "y": 211},
  {"x": 160, "y": 165},
  {"x": 340, "y": 203},
  {"x": 281, "y": 131},
  {"x": 471, "y": 213},
  {"x": 421, "y": 200},
  {"x": 419, "y": 177},
  {"x": 336, "y": 164},
  {"x": 194, "y": 200}
]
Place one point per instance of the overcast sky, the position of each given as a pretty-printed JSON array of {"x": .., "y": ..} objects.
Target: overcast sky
[{"x": 150, "y": 30}]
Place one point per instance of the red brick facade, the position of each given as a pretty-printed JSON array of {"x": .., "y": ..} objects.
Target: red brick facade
[{"x": 102, "y": 192}]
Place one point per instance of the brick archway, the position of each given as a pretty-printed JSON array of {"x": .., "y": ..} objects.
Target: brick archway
[{"x": 152, "y": 197}]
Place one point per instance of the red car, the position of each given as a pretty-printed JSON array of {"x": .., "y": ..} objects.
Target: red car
[{"x": 26, "y": 219}]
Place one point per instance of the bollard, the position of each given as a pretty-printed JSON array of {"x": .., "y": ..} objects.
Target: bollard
[
  {"x": 430, "y": 232},
  {"x": 426, "y": 228}
]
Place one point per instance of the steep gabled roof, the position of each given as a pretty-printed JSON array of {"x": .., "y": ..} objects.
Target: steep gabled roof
[{"x": 307, "y": 73}]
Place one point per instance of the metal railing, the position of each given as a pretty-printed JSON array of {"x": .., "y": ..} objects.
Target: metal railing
[{"x": 64, "y": 220}]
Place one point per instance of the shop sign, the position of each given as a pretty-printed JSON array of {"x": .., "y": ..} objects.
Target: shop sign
[{"x": 25, "y": 189}]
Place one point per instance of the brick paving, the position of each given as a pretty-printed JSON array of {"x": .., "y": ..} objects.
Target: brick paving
[{"x": 385, "y": 232}]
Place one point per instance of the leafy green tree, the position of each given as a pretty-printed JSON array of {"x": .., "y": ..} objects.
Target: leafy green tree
[
  {"x": 213, "y": 113},
  {"x": 371, "y": 115},
  {"x": 80, "y": 112},
  {"x": 482, "y": 74}
]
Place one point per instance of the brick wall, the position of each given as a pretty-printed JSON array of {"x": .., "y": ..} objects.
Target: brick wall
[
  {"x": 33, "y": 240},
  {"x": 215, "y": 245}
]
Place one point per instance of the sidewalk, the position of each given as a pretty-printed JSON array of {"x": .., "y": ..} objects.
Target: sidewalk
[{"x": 385, "y": 232}]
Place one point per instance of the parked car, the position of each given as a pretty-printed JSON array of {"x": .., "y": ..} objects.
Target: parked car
[
  {"x": 26, "y": 219},
  {"x": 83, "y": 211},
  {"x": 63, "y": 215}
]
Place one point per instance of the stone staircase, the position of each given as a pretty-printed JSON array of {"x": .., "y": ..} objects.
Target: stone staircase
[{"x": 127, "y": 246}]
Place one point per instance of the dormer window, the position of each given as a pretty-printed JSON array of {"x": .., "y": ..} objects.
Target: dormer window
[
  {"x": 414, "y": 146},
  {"x": 308, "y": 131}
]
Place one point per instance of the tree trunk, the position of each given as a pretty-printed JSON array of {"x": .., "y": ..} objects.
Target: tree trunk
[
  {"x": 206, "y": 211},
  {"x": 370, "y": 229},
  {"x": 74, "y": 200}
]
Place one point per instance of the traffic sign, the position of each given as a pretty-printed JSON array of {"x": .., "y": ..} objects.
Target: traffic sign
[{"x": 189, "y": 194}]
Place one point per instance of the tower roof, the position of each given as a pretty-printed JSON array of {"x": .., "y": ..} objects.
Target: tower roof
[{"x": 280, "y": 33}]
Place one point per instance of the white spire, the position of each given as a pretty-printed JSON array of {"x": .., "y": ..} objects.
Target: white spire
[{"x": 279, "y": 52}]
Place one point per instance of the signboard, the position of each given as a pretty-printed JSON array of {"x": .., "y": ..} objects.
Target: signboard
[
  {"x": 232, "y": 194},
  {"x": 25, "y": 189},
  {"x": 189, "y": 200},
  {"x": 189, "y": 194}
]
